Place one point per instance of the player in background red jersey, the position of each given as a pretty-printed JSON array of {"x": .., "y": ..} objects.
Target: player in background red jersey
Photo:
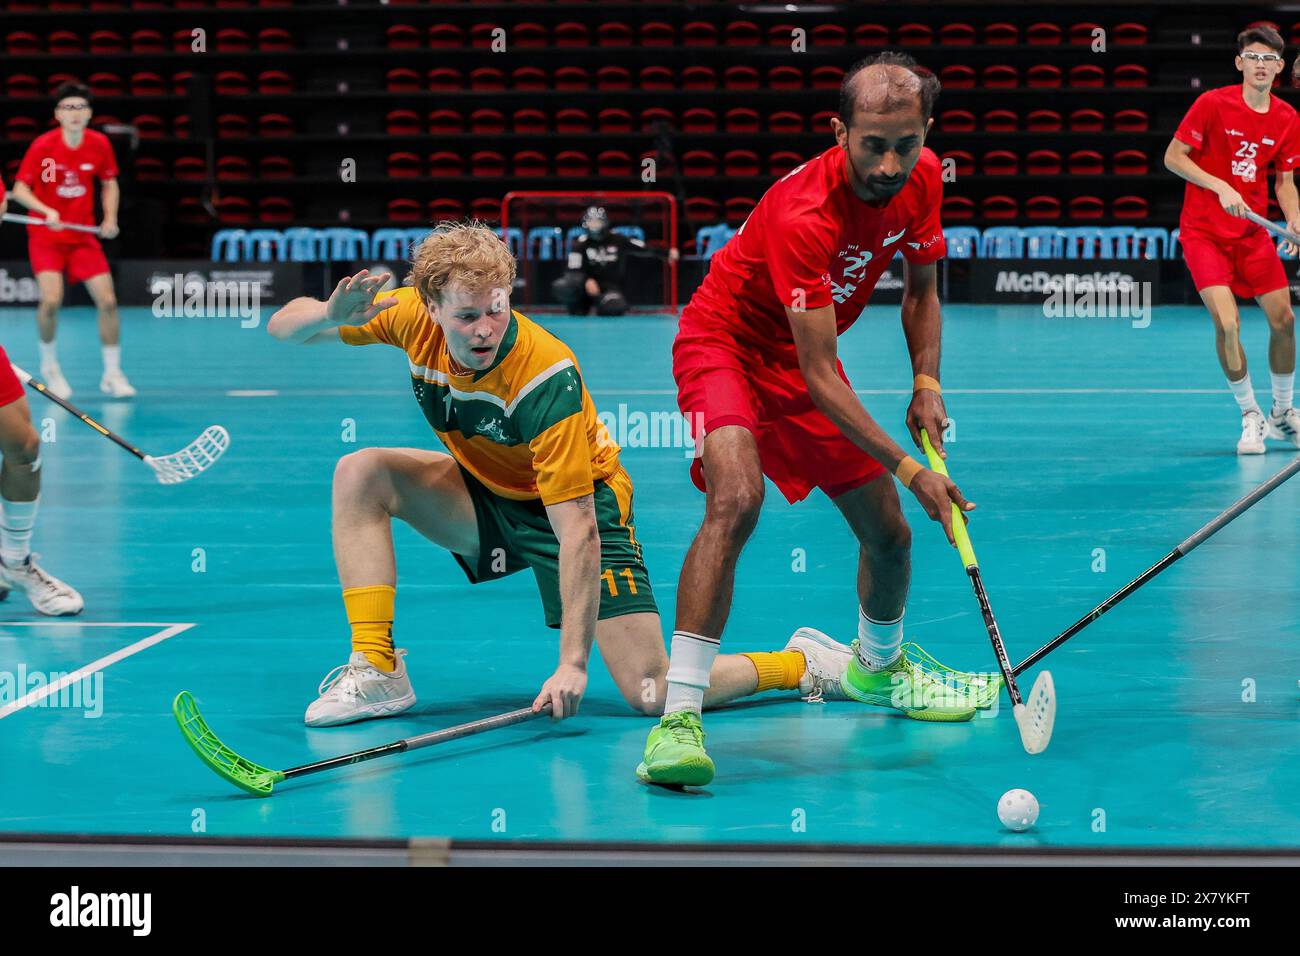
[
  {"x": 1223, "y": 148},
  {"x": 756, "y": 368},
  {"x": 56, "y": 182}
]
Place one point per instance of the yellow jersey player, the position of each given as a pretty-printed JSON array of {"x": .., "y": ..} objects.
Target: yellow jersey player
[{"x": 533, "y": 480}]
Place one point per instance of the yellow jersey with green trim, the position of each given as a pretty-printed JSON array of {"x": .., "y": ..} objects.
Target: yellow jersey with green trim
[{"x": 525, "y": 426}]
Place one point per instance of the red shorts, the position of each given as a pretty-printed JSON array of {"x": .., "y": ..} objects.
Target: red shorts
[
  {"x": 10, "y": 388},
  {"x": 720, "y": 383},
  {"x": 77, "y": 261},
  {"x": 1249, "y": 266}
]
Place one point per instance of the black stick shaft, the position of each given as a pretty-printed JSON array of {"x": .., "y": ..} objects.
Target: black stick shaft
[
  {"x": 423, "y": 740},
  {"x": 995, "y": 635},
  {"x": 1208, "y": 530},
  {"x": 78, "y": 413}
]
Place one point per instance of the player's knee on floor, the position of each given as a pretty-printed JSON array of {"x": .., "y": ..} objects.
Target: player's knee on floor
[
  {"x": 646, "y": 696},
  {"x": 611, "y": 303}
]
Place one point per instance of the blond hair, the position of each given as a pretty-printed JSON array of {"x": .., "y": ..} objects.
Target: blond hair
[{"x": 469, "y": 253}]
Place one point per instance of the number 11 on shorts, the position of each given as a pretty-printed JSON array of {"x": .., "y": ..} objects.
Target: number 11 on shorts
[{"x": 608, "y": 575}]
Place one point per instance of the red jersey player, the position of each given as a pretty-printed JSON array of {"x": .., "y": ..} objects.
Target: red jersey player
[
  {"x": 756, "y": 368},
  {"x": 1223, "y": 148},
  {"x": 56, "y": 182}
]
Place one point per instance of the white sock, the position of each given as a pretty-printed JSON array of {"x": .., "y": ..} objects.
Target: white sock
[
  {"x": 1283, "y": 386},
  {"x": 16, "y": 530},
  {"x": 1245, "y": 395},
  {"x": 112, "y": 359},
  {"x": 879, "y": 642},
  {"x": 49, "y": 354},
  {"x": 690, "y": 659}
]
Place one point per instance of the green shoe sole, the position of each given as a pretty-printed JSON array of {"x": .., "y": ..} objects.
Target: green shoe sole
[
  {"x": 932, "y": 714},
  {"x": 696, "y": 772}
]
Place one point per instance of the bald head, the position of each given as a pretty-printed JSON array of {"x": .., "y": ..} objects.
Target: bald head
[{"x": 887, "y": 83}]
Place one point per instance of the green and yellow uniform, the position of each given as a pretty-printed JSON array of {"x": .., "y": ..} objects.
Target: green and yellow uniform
[{"x": 526, "y": 435}]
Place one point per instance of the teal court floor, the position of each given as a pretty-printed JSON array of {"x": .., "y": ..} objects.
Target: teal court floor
[{"x": 1091, "y": 447}]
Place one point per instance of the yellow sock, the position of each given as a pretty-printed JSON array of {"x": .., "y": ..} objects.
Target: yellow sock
[
  {"x": 370, "y": 612},
  {"x": 778, "y": 670}
]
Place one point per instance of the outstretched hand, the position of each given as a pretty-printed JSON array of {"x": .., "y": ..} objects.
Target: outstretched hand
[{"x": 353, "y": 300}]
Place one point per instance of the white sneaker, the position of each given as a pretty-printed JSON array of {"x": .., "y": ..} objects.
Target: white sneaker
[
  {"x": 114, "y": 384},
  {"x": 1253, "y": 431},
  {"x": 52, "y": 378},
  {"x": 826, "y": 660},
  {"x": 1285, "y": 427},
  {"x": 47, "y": 593},
  {"x": 358, "y": 690}
]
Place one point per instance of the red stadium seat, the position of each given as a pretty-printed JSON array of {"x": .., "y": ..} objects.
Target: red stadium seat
[
  {"x": 614, "y": 120},
  {"x": 1043, "y": 121},
  {"x": 403, "y": 80},
  {"x": 742, "y": 33},
  {"x": 1043, "y": 207},
  {"x": 656, "y": 78},
  {"x": 275, "y": 209},
  {"x": 1081, "y": 34},
  {"x": 24, "y": 84},
  {"x": 1135, "y": 207},
  {"x": 404, "y": 210},
  {"x": 21, "y": 127},
  {"x": 443, "y": 79},
  {"x": 487, "y": 162},
  {"x": 445, "y": 122},
  {"x": 613, "y": 162},
  {"x": 572, "y": 120},
  {"x": 150, "y": 169},
  {"x": 1085, "y": 162},
  {"x": 445, "y": 36},
  {"x": 149, "y": 126},
  {"x": 961, "y": 161},
  {"x": 957, "y": 208},
  {"x": 699, "y": 162},
  {"x": 229, "y": 40},
  {"x": 148, "y": 84},
  {"x": 738, "y": 209},
  {"x": 613, "y": 78},
  {"x": 1130, "y": 75},
  {"x": 741, "y": 120},
  {"x": 699, "y": 78},
  {"x": 486, "y": 36},
  {"x": 957, "y": 121},
  {"x": 914, "y": 34},
  {"x": 103, "y": 84},
  {"x": 190, "y": 212},
  {"x": 402, "y": 36},
  {"x": 526, "y": 121},
  {"x": 1043, "y": 34},
  {"x": 233, "y": 126},
  {"x": 785, "y": 78},
  {"x": 189, "y": 168},
  {"x": 740, "y": 78},
  {"x": 870, "y": 34},
  {"x": 529, "y": 78},
  {"x": 445, "y": 164},
  {"x": 181, "y": 82},
  {"x": 957, "y": 76},
  {"x": 487, "y": 78},
  {"x": 486, "y": 209},
  {"x": 1001, "y": 162},
  {"x": 1087, "y": 75},
  {"x": 1000, "y": 77},
  {"x": 780, "y": 163},
  {"x": 64, "y": 42},
  {"x": 1087, "y": 207},
  {"x": 231, "y": 83},
  {"x": 785, "y": 121},
  {"x": 614, "y": 34},
  {"x": 1087, "y": 121},
  {"x": 274, "y": 40},
  {"x": 148, "y": 41},
  {"x": 699, "y": 119},
  {"x": 699, "y": 33},
  {"x": 1043, "y": 162},
  {"x": 572, "y": 78},
  {"x": 1001, "y": 34},
  {"x": 182, "y": 127},
  {"x": 274, "y": 82},
  {"x": 275, "y": 125},
  {"x": 570, "y": 162},
  {"x": 1043, "y": 76},
  {"x": 1130, "y": 162},
  {"x": 821, "y": 121},
  {"x": 530, "y": 164},
  {"x": 656, "y": 33},
  {"x": 1128, "y": 34},
  {"x": 107, "y": 42},
  {"x": 740, "y": 162},
  {"x": 781, "y": 34},
  {"x": 527, "y": 36},
  {"x": 233, "y": 209},
  {"x": 999, "y": 207},
  {"x": 827, "y": 77},
  {"x": 443, "y": 209},
  {"x": 22, "y": 43},
  {"x": 403, "y": 123},
  {"x": 829, "y": 34},
  {"x": 487, "y": 121},
  {"x": 1132, "y": 121},
  {"x": 234, "y": 168},
  {"x": 957, "y": 34},
  {"x": 1001, "y": 121},
  {"x": 275, "y": 167},
  {"x": 655, "y": 115}
]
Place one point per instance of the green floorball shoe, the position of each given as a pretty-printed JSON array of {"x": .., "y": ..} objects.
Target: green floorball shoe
[
  {"x": 674, "y": 753},
  {"x": 907, "y": 687}
]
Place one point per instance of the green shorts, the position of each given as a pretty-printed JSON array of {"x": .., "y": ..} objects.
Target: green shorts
[{"x": 514, "y": 535}]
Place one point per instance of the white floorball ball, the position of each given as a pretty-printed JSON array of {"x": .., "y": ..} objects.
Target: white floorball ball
[{"x": 1018, "y": 810}]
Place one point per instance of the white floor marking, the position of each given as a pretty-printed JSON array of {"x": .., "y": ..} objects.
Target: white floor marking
[
  {"x": 253, "y": 392},
  {"x": 36, "y": 696}
]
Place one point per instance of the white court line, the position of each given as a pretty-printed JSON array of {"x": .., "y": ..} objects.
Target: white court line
[
  {"x": 36, "y": 696},
  {"x": 969, "y": 391},
  {"x": 253, "y": 392}
]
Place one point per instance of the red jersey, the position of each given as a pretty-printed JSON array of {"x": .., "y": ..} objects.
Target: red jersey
[
  {"x": 811, "y": 242},
  {"x": 64, "y": 178},
  {"x": 1234, "y": 142}
]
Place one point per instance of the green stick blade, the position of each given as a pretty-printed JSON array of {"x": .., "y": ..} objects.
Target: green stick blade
[{"x": 247, "y": 776}]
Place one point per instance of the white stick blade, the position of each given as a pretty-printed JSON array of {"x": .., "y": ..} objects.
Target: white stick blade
[
  {"x": 192, "y": 460},
  {"x": 1037, "y": 717}
]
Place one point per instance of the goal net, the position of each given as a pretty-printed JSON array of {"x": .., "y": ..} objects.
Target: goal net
[{"x": 541, "y": 227}]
